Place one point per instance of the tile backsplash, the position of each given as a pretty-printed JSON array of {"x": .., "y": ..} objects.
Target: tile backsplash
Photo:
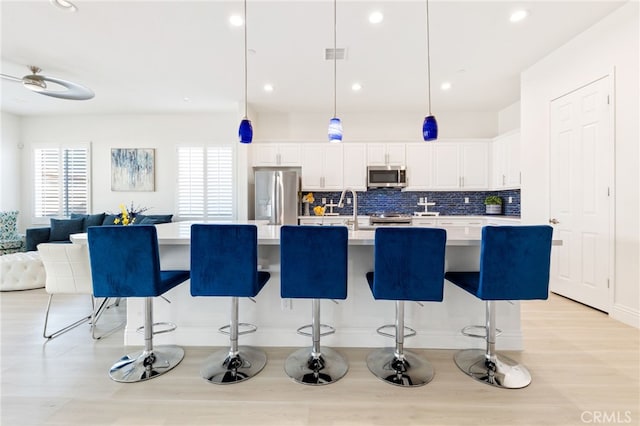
[{"x": 447, "y": 203}]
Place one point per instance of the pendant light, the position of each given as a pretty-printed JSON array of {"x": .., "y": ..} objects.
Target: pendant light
[
  {"x": 335, "y": 125},
  {"x": 245, "y": 133},
  {"x": 430, "y": 125}
]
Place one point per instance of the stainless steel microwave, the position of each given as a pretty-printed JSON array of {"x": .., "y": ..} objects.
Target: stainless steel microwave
[{"x": 386, "y": 177}]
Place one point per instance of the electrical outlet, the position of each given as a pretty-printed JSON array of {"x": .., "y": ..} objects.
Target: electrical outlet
[
  {"x": 348, "y": 200},
  {"x": 324, "y": 201},
  {"x": 510, "y": 200},
  {"x": 466, "y": 200}
]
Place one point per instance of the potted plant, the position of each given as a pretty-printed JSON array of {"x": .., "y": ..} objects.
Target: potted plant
[{"x": 493, "y": 204}]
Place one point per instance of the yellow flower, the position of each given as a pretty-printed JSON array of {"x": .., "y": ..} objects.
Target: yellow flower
[
  {"x": 308, "y": 198},
  {"x": 319, "y": 210}
]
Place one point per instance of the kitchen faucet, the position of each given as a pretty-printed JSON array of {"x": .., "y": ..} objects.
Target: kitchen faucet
[{"x": 355, "y": 205}]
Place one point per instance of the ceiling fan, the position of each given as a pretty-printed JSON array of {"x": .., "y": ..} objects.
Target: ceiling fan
[{"x": 38, "y": 83}]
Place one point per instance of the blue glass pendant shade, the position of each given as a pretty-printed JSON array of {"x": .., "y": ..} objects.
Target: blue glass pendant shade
[
  {"x": 430, "y": 128},
  {"x": 335, "y": 130},
  {"x": 245, "y": 133}
]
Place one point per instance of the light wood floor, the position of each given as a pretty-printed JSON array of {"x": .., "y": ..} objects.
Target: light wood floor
[{"x": 585, "y": 368}]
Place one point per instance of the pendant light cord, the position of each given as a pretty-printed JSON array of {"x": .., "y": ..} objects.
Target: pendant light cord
[
  {"x": 335, "y": 54},
  {"x": 428, "y": 63},
  {"x": 245, "y": 58}
]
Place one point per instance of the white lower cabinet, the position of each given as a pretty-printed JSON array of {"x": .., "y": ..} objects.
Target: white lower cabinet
[
  {"x": 463, "y": 221},
  {"x": 426, "y": 222},
  {"x": 460, "y": 222},
  {"x": 332, "y": 220}
]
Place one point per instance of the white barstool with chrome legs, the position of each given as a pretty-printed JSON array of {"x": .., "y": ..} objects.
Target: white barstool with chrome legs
[
  {"x": 514, "y": 265},
  {"x": 313, "y": 265},
  {"x": 68, "y": 272}
]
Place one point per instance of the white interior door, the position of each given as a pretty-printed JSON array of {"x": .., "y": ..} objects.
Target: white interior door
[{"x": 581, "y": 161}]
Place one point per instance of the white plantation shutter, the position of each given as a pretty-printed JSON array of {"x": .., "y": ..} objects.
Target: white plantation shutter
[
  {"x": 61, "y": 181},
  {"x": 205, "y": 182},
  {"x": 191, "y": 189}
]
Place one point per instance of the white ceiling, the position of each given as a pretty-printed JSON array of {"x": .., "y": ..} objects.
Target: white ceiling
[{"x": 148, "y": 56}]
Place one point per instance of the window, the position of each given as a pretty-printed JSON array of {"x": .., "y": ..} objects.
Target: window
[
  {"x": 61, "y": 181},
  {"x": 205, "y": 182}
]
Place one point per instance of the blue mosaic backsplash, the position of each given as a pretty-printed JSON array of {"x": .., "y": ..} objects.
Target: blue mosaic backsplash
[{"x": 447, "y": 203}]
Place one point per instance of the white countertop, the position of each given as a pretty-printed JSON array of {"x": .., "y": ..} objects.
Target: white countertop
[{"x": 179, "y": 233}]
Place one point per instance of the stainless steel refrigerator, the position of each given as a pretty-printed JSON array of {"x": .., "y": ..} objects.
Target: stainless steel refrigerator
[{"x": 276, "y": 196}]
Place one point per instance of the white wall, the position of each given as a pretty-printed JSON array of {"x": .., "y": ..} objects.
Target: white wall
[
  {"x": 611, "y": 43},
  {"x": 390, "y": 126},
  {"x": 509, "y": 118},
  {"x": 10, "y": 168},
  {"x": 162, "y": 132}
]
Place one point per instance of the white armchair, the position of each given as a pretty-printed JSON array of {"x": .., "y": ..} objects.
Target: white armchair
[{"x": 68, "y": 271}]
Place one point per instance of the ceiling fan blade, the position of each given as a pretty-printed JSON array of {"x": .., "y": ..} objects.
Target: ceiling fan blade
[
  {"x": 74, "y": 91},
  {"x": 10, "y": 77}
]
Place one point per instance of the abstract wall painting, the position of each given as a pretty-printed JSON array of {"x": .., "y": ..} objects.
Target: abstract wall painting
[{"x": 132, "y": 169}]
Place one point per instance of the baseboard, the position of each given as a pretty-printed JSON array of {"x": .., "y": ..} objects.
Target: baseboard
[{"x": 625, "y": 315}]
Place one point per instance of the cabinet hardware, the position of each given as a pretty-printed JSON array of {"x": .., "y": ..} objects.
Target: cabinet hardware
[{"x": 554, "y": 221}]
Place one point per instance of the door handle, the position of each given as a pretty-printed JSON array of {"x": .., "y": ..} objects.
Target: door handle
[{"x": 554, "y": 221}]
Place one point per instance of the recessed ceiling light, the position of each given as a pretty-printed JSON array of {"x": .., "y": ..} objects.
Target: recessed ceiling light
[
  {"x": 518, "y": 15},
  {"x": 445, "y": 86},
  {"x": 376, "y": 17},
  {"x": 64, "y": 5},
  {"x": 268, "y": 87},
  {"x": 356, "y": 87},
  {"x": 186, "y": 99},
  {"x": 236, "y": 20}
]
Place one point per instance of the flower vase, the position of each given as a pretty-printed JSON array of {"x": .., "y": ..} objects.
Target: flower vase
[{"x": 306, "y": 209}]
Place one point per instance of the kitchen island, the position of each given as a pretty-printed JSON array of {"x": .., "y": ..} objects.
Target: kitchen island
[{"x": 438, "y": 325}]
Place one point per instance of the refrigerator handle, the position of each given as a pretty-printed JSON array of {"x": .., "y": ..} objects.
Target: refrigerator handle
[{"x": 279, "y": 201}]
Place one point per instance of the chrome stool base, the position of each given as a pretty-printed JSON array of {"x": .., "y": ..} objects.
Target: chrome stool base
[
  {"x": 221, "y": 369},
  {"x": 141, "y": 366},
  {"x": 411, "y": 372},
  {"x": 504, "y": 373},
  {"x": 302, "y": 367}
]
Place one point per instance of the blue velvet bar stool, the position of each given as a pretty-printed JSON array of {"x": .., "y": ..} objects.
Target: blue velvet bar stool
[
  {"x": 224, "y": 262},
  {"x": 125, "y": 262},
  {"x": 514, "y": 265},
  {"x": 313, "y": 265},
  {"x": 408, "y": 266}
]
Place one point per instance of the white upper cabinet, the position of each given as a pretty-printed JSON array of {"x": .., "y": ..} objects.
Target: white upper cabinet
[
  {"x": 355, "y": 166},
  {"x": 446, "y": 166},
  {"x": 460, "y": 165},
  {"x": 383, "y": 154},
  {"x": 506, "y": 161},
  {"x": 275, "y": 154},
  {"x": 418, "y": 166},
  {"x": 322, "y": 167},
  {"x": 474, "y": 165}
]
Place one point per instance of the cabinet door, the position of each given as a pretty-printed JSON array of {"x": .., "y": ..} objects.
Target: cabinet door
[
  {"x": 474, "y": 165},
  {"x": 446, "y": 167},
  {"x": 376, "y": 154},
  {"x": 265, "y": 154},
  {"x": 355, "y": 166},
  {"x": 289, "y": 154},
  {"x": 512, "y": 163},
  {"x": 418, "y": 167},
  {"x": 332, "y": 167},
  {"x": 499, "y": 162},
  {"x": 396, "y": 154},
  {"x": 423, "y": 222},
  {"x": 312, "y": 167}
]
